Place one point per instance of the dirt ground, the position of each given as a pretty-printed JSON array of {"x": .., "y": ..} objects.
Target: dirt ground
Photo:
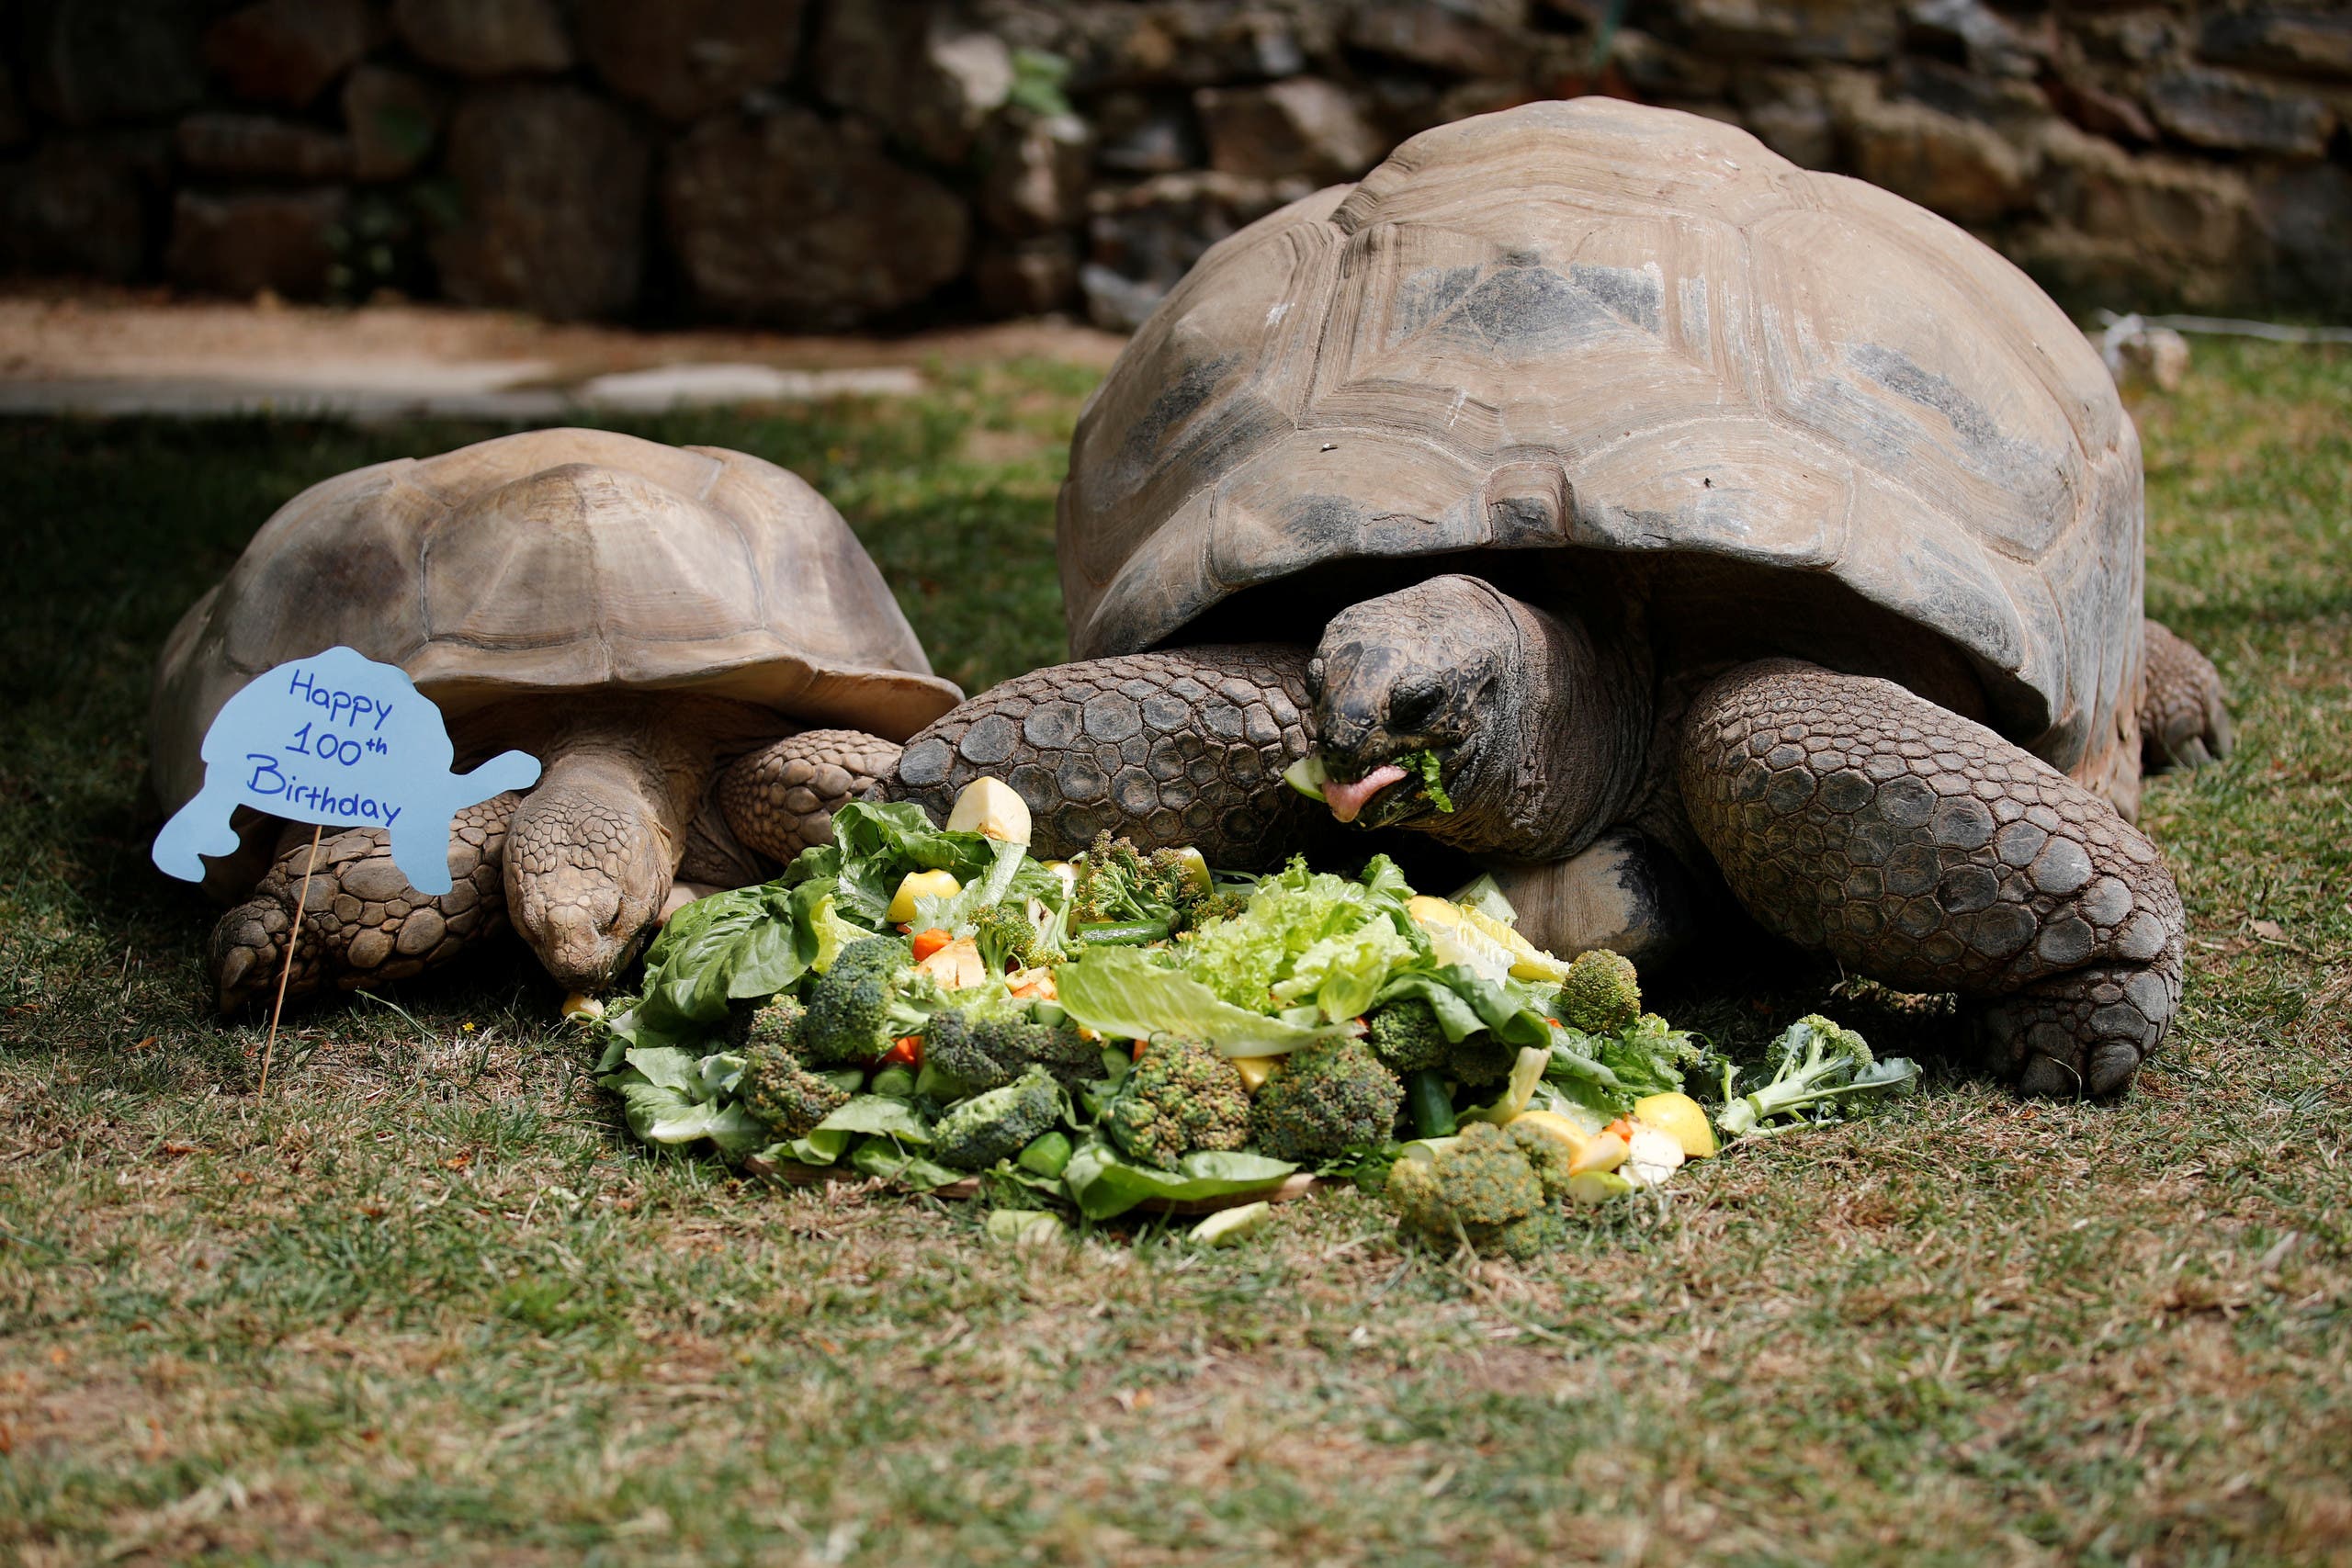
[{"x": 118, "y": 350}]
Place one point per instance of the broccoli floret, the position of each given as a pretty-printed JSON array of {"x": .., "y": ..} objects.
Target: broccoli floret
[
  {"x": 1478, "y": 1187},
  {"x": 1011, "y": 936},
  {"x": 1118, "y": 882},
  {"x": 1652, "y": 1056},
  {"x": 1549, "y": 1156},
  {"x": 1821, "y": 1067},
  {"x": 1602, "y": 994},
  {"x": 978, "y": 1132},
  {"x": 786, "y": 1097},
  {"x": 776, "y": 1023},
  {"x": 869, "y": 998},
  {"x": 1323, "y": 1100},
  {"x": 1404, "y": 1035},
  {"x": 1182, "y": 1096},
  {"x": 987, "y": 1053}
]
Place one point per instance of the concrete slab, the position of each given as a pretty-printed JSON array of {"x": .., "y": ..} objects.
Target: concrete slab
[{"x": 100, "y": 353}]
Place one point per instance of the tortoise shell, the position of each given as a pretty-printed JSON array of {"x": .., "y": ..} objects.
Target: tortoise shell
[
  {"x": 558, "y": 562},
  {"x": 1596, "y": 326}
]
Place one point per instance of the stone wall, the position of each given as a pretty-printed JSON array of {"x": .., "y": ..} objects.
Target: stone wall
[{"x": 832, "y": 163}]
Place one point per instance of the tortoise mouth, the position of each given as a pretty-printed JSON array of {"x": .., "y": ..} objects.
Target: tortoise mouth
[{"x": 1382, "y": 794}]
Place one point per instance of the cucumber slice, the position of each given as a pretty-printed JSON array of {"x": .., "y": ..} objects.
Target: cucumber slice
[
  {"x": 1308, "y": 776},
  {"x": 1228, "y": 1225}
]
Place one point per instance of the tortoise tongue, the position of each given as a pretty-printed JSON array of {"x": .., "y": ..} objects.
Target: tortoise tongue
[{"x": 1347, "y": 799}]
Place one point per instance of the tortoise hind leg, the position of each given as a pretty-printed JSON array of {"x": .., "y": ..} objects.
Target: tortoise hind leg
[
  {"x": 2183, "y": 722},
  {"x": 362, "y": 921},
  {"x": 1181, "y": 747},
  {"x": 1923, "y": 850}
]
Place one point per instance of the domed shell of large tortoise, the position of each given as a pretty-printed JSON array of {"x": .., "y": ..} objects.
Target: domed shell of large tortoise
[
  {"x": 1600, "y": 325},
  {"x": 558, "y": 562}
]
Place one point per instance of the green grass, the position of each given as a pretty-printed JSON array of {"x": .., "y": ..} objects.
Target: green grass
[{"x": 425, "y": 1301}]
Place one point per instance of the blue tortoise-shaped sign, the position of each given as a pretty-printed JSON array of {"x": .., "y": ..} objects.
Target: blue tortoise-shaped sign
[{"x": 337, "y": 739}]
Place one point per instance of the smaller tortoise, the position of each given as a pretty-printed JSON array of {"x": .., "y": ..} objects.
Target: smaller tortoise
[
  {"x": 657, "y": 624},
  {"x": 1716, "y": 527}
]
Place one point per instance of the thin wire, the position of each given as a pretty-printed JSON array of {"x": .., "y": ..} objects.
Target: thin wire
[
  {"x": 293, "y": 936},
  {"x": 2224, "y": 326}
]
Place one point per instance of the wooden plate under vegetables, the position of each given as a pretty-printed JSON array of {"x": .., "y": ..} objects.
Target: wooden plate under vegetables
[{"x": 798, "y": 1174}]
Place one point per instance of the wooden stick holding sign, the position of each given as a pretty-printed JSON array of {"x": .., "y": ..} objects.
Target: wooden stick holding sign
[
  {"x": 337, "y": 738},
  {"x": 293, "y": 936}
]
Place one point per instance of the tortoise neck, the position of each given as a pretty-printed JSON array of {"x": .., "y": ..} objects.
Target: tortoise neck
[{"x": 1567, "y": 751}]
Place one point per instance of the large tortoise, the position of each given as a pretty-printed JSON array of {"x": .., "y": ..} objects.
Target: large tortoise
[
  {"x": 661, "y": 626},
  {"x": 1716, "y": 524}
]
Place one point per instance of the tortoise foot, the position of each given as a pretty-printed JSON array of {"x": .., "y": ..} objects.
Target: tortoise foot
[
  {"x": 361, "y": 920},
  {"x": 2184, "y": 720},
  {"x": 1924, "y": 851},
  {"x": 2081, "y": 1035}
]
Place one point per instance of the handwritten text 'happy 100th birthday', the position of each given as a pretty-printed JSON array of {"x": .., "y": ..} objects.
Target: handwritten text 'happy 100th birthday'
[{"x": 355, "y": 718}]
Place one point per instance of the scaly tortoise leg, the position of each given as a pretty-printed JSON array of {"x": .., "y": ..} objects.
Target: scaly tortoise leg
[
  {"x": 362, "y": 921},
  {"x": 1923, "y": 850},
  {"x": 780, "y": 799},
  {"x": 2184, "y": 720},
  {"x": 1183, "y": 746}
]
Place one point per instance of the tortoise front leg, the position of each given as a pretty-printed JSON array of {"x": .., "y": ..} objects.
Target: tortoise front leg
[
  {"x": 1924, "y": 851},
  {"x": 1184, "y": 747},
  {"x": 781, "y": 798},
  {"x": 362, "y": 921}
]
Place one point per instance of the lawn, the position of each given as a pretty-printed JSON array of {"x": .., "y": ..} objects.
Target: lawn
[{"x": 424, "y": 1301}]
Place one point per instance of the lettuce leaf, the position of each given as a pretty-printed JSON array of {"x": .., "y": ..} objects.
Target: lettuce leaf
[
  {"x": 734, "y": 946},
  {"x": 886, "y": 1161},
  {"x": 1466, "y": 1002},
  {"x": 1120, "y": 992},
  {"x": 1104, "y": 1182},
  {"x": 1342, "y": 974},
  {"x": 875, "y": 846},
  {"x": 668, "y": 1100},
  {"x": 882, "y": 1114},
  {"x": 1243, "y": 957}
]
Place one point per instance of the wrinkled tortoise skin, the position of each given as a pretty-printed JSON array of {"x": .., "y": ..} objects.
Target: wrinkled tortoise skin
[{"x": 1173, "y": 747}]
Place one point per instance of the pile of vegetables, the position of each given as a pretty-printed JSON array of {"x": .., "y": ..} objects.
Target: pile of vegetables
[{"x": 936, "y": 1008}]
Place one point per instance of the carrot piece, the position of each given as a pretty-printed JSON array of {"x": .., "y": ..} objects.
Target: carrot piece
[
  {"x": 930, "y": 942},
  {"x": 907, "y": 1050}
]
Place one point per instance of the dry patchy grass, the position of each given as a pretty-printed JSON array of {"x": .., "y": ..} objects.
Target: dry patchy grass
[{"x": 424, "y": 1300}]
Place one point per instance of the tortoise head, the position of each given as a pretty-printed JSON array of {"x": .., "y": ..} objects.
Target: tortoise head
[
  {"x": 1528, "y": 724},
  {"x": 1413, "y": 672}
]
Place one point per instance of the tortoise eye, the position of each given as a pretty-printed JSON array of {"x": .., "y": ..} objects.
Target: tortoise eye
[{"x": 1414, "y": 705}]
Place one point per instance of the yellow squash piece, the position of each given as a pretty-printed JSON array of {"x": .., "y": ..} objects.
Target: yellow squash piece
[
  {"x": 1680, "y": 1118},
  {"x": 1604, "y": 1153},
  {"x": 993, "y": 809},
  {"x": 1551, "y": 1124},
  {"x": 1228, "y": 1225},
  {"x": 921, "y": 885},
  {"x": 957, "y": 967},
  {"x": 1528, "y": 962},
  {"x": 1595, "y": 1187},
  {"x": 1255, "y": 1070}
]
